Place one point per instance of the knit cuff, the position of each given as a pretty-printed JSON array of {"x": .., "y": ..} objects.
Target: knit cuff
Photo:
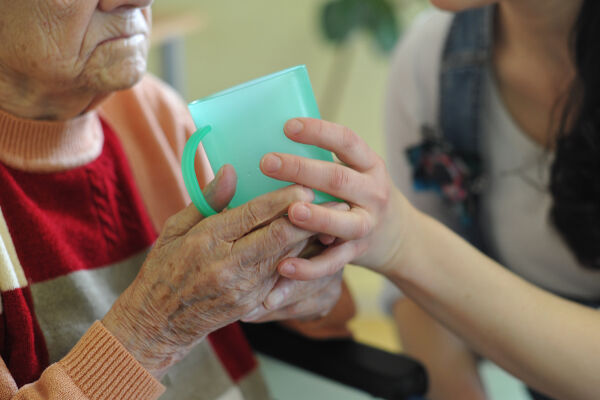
[{"x": 104, "y": 370}]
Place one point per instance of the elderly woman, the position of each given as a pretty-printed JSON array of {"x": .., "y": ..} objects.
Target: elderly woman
[{"x": 89, "y": 176}]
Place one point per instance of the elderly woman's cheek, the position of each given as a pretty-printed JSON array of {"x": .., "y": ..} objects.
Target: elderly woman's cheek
[{"x": 116, "y": 65}]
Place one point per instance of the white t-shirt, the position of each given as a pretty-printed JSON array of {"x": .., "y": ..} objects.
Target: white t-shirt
[{"x": 516, "y": 201}]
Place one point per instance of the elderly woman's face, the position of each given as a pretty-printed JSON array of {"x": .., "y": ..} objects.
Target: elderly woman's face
[{"x": 87, "y": 45}]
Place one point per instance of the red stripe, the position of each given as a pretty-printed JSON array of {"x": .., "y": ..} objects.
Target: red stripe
[
  {"x": 24, "y": 349},
  {"x": 233, "y": 350},
  {"x": 83, "y": 218},
  {"x": 62, "y": 222}
]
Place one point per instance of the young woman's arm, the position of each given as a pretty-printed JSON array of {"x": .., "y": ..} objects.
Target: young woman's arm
[
  {"x": 411, "y": 103},
  {"x": 550, "y": 343}
]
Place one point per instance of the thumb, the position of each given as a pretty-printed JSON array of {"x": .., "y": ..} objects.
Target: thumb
[{"x": 218, "y": 193}]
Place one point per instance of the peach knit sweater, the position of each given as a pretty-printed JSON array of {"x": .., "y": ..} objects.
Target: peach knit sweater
[{"x": 152, "y": 124}]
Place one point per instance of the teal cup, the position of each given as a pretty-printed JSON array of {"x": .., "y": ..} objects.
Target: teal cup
[{"x": 238, "y": 126}]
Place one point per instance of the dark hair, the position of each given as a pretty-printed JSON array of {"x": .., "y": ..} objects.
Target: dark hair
[{"x": 575, "y": 173}]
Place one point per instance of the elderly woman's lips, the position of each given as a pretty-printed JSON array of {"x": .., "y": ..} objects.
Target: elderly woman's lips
[{"x": 122, "y": 37}]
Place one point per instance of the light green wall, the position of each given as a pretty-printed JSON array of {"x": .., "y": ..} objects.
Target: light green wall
[{"x": 245, "y": 39}]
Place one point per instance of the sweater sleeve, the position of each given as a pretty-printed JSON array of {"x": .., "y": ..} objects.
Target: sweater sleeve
[{"x": 97, "y": 368}]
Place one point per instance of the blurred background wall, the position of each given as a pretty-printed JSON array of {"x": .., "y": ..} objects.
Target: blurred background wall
[{"x": 219, "y": 43}]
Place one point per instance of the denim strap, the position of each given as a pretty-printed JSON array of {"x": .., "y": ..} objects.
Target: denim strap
[{"x": 466, "y": 53}]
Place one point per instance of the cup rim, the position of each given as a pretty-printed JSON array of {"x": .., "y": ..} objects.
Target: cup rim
[{"x": 247, "y": 84}]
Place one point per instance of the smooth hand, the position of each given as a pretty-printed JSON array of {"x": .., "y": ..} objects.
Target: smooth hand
[{"x": 371, "y": 232}]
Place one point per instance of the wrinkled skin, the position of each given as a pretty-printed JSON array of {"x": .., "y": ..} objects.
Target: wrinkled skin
[
  {"x": 60, "y": 58},
  {"x": 205, "y": 273}
]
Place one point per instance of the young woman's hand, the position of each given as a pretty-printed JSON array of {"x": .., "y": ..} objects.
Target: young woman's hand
[{"x": 371, "y": 233}]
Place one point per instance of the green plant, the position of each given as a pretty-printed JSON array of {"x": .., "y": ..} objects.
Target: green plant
[{"x": 340, "y": 18}]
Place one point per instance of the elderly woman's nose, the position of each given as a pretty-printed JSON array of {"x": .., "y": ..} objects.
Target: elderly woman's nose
[{"x": 110, "y": 5}]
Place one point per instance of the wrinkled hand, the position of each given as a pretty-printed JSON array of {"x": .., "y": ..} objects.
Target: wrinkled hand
[
  {"x": 204, "y": 273},
  {"x": 303, "y": 300},
  {"x": 371, "y": 233}
]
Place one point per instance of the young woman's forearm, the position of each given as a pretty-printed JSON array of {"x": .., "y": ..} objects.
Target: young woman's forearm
[{"x": 550, "y": 343}]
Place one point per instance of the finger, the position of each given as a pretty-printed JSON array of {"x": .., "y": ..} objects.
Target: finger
[
  {"x": 272, "y": 240},
  {"x": 256, "y": 315},
  {"x": 287, "y": 291},
  {"x": 325, "y": 264},
  {"x": 336, "y": 205},
  {"x": 233, "y": 224},
  {"x": 347, "y": 225},
  {"x": 180, "y": 223},
  {"x": 317, "y": 305},
  {"x": 218, "y": 193},
  {"x": 327, "y": 240},
  {"x": 346, "y": 144},
  {"x": 335, "y": 179},
  {"x": 220, "y": 190}
]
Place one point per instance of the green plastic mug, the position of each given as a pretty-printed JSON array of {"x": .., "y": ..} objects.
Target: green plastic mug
[{"x": 238, "y": 126}]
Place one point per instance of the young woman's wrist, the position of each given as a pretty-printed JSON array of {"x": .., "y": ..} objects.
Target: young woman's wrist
[{"x": 406, "y": 239}]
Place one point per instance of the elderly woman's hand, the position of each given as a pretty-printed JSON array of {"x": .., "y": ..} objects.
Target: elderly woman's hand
[
  {"x": 203, "y": 274},
  {"x": 372, "y": 233},
  {"x": 303, "y": 300}
]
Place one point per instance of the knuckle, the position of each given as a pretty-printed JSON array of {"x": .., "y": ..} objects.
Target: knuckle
[
  {"x": 381, "y": 196},
  {"x": 339, "y": 178},
  {"x": 250, "y": 215},
  {"x": 296, "y": 168},
  {"x": 363, "y": 228},
  {"x": 170, "y": 227},
  {"x": 280, "y": 233},
  {"x": 349, "y": 139},
  {"x": 319, "y": 127}
]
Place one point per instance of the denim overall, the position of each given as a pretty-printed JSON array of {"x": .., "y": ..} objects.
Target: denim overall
[{"x": 467, "y": 54}]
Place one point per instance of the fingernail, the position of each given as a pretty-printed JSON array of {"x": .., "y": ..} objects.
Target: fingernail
[
  {"x": 274, "y": 299},
  {"x": 271, "y": 163},
  {"x": 293, "y": 127},
  {"x": 288, "y": 269},
  {"x": 254, "y": 314},
  {"x": 301, "y": 212}
]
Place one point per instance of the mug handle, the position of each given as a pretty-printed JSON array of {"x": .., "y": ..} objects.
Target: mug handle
[{"x": 189, "y": 172}]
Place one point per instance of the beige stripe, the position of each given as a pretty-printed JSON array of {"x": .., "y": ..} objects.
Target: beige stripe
[
  {"x": 199, "y": 376},
  {"x": 66, "y": 306},
  {"x": 253, "y": 386},
  {"x": 232, "y": 394},
  {"x": 11, "y": 273}
]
